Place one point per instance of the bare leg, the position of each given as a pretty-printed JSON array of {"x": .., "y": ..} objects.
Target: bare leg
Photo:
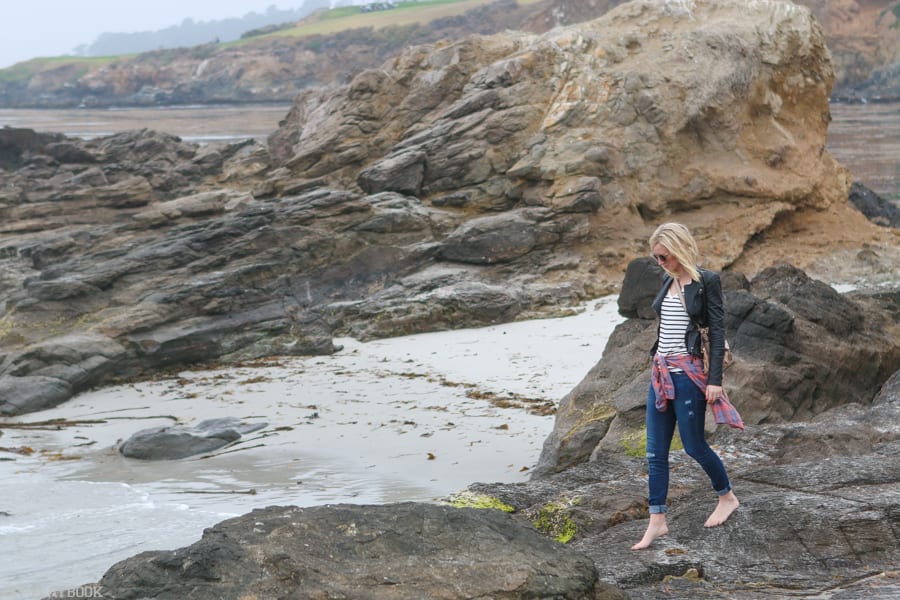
[
  {"x": 656, "y": 528},
  {"x": 727, "y": 505}
]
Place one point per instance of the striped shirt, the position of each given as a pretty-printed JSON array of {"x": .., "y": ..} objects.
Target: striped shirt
[{"x": 673, "y": 325}]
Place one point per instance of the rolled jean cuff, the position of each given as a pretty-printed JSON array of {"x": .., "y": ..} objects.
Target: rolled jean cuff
[
  {"x": 656, "y": 509},
  {"x": 723, "y": 492}
]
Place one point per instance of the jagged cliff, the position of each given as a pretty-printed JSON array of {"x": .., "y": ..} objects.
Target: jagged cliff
[{"x": 863, "y": 36}]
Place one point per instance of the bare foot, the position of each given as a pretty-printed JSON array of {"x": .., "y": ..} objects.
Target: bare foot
[
  {"x": 727, "y": 505},
  {"x": 656, "y": 528}
]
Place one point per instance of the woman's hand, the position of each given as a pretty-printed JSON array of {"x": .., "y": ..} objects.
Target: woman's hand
[{"x": 712, "y": 393}]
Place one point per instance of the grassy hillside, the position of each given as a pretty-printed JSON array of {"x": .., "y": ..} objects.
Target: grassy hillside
[
  {"x": 24, "y": 71},
  {"x": 407, "y": 13},
  {"x": 414, "y": 12}
]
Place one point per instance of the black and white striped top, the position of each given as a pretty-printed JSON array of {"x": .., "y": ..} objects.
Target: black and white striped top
[{"x": 673, "y": 325}]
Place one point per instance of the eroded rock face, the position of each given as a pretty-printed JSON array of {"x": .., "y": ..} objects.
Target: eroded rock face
[
  {"x": 604, "y": 126},
  {"x": 406, "y": 551}
]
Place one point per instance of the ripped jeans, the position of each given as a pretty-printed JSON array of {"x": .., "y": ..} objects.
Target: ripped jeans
[{"x": 689, "y": 411}]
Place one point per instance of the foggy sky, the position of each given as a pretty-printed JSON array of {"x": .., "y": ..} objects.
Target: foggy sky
[{"x": 34, "y": 28}]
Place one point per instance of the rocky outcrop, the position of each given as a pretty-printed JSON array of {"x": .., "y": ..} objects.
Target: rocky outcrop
[
  {"x": 800, "y": 349},
  {"x": 406, "y": 551},
  {"x": 808, "y": 522},
  {"x": 461, "y": 184},
  {"x": 818, "y": 513}
]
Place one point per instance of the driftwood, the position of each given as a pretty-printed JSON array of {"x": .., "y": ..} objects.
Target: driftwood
[{"x": 57, "y": 424}]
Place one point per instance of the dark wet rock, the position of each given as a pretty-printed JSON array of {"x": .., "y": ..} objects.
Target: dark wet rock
[
  {"x": 877, "y": 209},
  {"x": 642, "y": 281},
  {"x": 179, "y": 441},
  {"x": 819, "y": 510},
  {"x": 18, "y": 144},
  {"x": 404, "y": 551}
]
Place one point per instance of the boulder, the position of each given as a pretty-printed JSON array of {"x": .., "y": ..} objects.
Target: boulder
[
  {"x": 179, "y": 441},
  {"x": 403, "y": 551},
  {"x": 877, "y": 209},
  {"x": 49, "y": 372},
  {"x": 643, "y": 278}
]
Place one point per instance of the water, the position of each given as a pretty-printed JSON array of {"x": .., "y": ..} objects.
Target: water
[
  {"x": 866, "y": 138},
  {"x": 200, "y": 124}
]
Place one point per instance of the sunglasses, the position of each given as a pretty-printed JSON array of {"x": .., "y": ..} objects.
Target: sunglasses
[{"x": 660, "y": 257}]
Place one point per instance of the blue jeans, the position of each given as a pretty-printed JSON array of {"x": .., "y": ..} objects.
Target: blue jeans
[{"x": 688, "y": 409}]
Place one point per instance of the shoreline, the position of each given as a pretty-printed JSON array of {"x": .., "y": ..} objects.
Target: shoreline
[{"x": 412, "y": 418}]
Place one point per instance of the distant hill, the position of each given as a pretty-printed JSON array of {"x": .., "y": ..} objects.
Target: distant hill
[{"x": 195, "y": 33}]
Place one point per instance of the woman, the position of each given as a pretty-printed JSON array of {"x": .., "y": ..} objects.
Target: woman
[{"x": 679, "y": 391}]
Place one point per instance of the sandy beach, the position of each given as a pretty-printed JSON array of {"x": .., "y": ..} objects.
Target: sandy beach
[{"x": 412, "y": 418}]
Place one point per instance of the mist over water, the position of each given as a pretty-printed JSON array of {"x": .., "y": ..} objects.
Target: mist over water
[
  {"x": 196, "y": 123},
  {"x": 866, "y": 139}
]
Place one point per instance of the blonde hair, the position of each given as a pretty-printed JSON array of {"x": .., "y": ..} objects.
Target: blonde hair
[{"x": 677, "y": 239}]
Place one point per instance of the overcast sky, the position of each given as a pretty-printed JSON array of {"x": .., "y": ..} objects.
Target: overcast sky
[{"x": 32, "y": 28}]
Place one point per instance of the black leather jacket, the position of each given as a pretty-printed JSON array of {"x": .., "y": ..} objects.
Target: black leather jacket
[{"x": 706, "y": 307}]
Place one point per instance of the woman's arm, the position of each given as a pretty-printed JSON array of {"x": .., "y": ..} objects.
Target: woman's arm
[{"x": 715, "y": 318}]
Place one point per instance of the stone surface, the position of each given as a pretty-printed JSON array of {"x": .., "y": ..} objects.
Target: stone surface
[
  {"x": 819, "y": 511},
  {"x": 876, "y": 208},
  {"x": 179, "y": 441},
  {"x": 405, "y": 551}
]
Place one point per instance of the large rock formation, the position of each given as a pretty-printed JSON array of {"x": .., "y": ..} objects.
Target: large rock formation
[{"x": 464, "y": 183}]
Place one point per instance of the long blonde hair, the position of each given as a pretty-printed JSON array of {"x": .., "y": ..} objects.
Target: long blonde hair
[{"x": 677, "y": 239}]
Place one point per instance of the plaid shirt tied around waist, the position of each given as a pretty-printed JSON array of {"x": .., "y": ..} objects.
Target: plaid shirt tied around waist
[{"x": 661, "y": 380}]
